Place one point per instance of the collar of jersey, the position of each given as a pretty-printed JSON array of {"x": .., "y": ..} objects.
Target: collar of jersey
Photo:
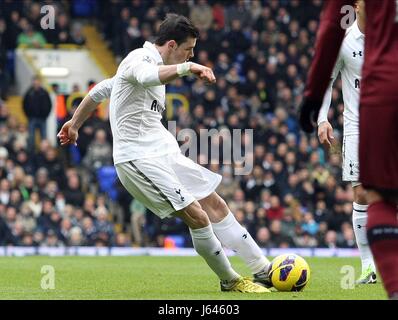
[
  {"x": 151, "y": 47},
  {"x": 356, "y": 31}
]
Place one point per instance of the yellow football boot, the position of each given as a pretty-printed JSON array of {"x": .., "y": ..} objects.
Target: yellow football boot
[{"x": 244, "y": 285}]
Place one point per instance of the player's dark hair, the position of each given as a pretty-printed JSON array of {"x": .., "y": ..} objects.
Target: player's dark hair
[{"x": 177, "y": 28}]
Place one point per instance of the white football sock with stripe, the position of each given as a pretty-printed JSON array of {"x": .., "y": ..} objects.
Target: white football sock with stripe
[
  {"x": 359, "y": 220},
  {"x": 209, "y": 248},
  {"x": 233, "y": 236}
]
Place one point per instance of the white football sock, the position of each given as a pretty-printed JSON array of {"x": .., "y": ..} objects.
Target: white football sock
[
  {"x": 209, "y": 248},
  {"x": 359, "y": 220},
  {"x": 233, "y": 236}
]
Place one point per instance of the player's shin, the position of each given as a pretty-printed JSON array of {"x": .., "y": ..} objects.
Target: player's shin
[
  {"x": 233, "y": 236},
  {"x": 209, "y": 248},
  {"x": 382, "y": 230},
  {"x": 359, "y": 220}
]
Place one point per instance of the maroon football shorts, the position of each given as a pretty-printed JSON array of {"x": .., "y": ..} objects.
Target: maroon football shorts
[{"x": 378, "y": 146}]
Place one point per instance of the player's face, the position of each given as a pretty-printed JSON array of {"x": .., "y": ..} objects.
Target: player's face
[
  {"x": 183, "y": 52},
  {"x": 360, "y": 8}
]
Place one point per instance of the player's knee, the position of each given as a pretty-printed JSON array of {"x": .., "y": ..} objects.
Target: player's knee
[
  {"x": 215, "y": 207},
  {"x": 222, "y": 205},
  {"x": 196, "y": 217},
  {"x": 218, "y": 204},
  {"x": 201, "y": 219},
  {"x": 360, "y": 195}
]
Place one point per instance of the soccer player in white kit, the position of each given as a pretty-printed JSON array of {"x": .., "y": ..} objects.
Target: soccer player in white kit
[
  {"x": 349, "y": 64},
  {"x": 149, "y": 162}
]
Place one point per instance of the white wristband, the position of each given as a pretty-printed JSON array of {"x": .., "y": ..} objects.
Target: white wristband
[{"x": 184, "y": 69}]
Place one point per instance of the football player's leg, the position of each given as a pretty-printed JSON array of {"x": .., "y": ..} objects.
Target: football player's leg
[
  {"x": 201, "y": 183},
  {"x": 156, "y": 185},
  {"x": 359, "y": 220},
  {"x": 205, "y": 242},
  {"x": 209, "y": 248},
  {"x": 382, "y": 230},
  {"x": 233, "y": 235}
]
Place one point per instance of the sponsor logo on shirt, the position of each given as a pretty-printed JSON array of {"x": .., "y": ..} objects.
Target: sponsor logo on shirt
[{"x": 157, "y": 107}]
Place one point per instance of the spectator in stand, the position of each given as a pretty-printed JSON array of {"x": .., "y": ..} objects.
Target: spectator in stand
[
  {"x": 103, "y": 225},
  {"x": 37, "y": 107},
  {"x": 76, "y": 35},
  {"x": 52, "y": 240},
  {"x": 238, "y": 10},
  {"x": 309, "y": 225},
  {"x": 306, "y": 240},
  {"x": 99, "y": 153},
  {"x": 76, "y": 237},
  {"x": 62, "y": 30},
  {"x": 73, "y": 193},
  {"x": 201, "y": 15},
  {"x": 13, "y": 29},
  {"x": 228, "y": 184},
  {"x": 122, "y": 240},
  {"x": 263, "y": 237},
  {"x": 34, "y": 15},
  {"x": 180, "y": 7},
  {"x": 330, "y": 240},
  {"x": 4, "y": 75},
  {"x": 275, "y": 212},
  {"x": 132, "y": 37},
  {"x": 29, "y": 37},
  {"x": 90, "y": 231},
  {"x": 278, "y": 239}
]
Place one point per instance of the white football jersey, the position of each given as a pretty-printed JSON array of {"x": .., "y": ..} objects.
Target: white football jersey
[
  {"x": 137, "y": 101},
  {"x": 102, "y": 90},
  {"x": 349, "y": 64}
]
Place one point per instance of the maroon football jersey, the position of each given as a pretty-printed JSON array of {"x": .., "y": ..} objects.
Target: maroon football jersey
[{"x": 379, "y": 84}]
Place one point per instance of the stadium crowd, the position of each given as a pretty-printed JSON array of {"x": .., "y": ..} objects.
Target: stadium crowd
[{"x": 260, "y": 52}]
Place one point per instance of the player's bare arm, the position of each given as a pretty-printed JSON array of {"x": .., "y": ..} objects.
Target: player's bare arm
[
  {"x": 172, "y": 72},
  {"x": 203, "y": 73},
  {"x": 69, "y": 131}
]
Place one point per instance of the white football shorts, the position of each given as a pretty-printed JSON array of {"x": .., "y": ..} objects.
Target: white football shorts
[
  {"x": 167, "y": 184},
  {"x": 351, "y": 159}
]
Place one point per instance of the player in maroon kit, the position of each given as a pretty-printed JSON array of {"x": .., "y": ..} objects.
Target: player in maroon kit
[{"x": 378, "y": 145}]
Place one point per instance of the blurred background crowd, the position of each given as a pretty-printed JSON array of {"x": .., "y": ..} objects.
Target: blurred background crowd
[{"x": 260, "y": 52}]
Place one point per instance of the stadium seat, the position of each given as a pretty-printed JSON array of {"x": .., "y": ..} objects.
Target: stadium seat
[
  {"x": 76, "y": 157},
  {"x": 106, "y": 177}
]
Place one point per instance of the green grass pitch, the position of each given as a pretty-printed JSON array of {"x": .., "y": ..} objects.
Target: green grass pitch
[{"x": 161, "y": 278}]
